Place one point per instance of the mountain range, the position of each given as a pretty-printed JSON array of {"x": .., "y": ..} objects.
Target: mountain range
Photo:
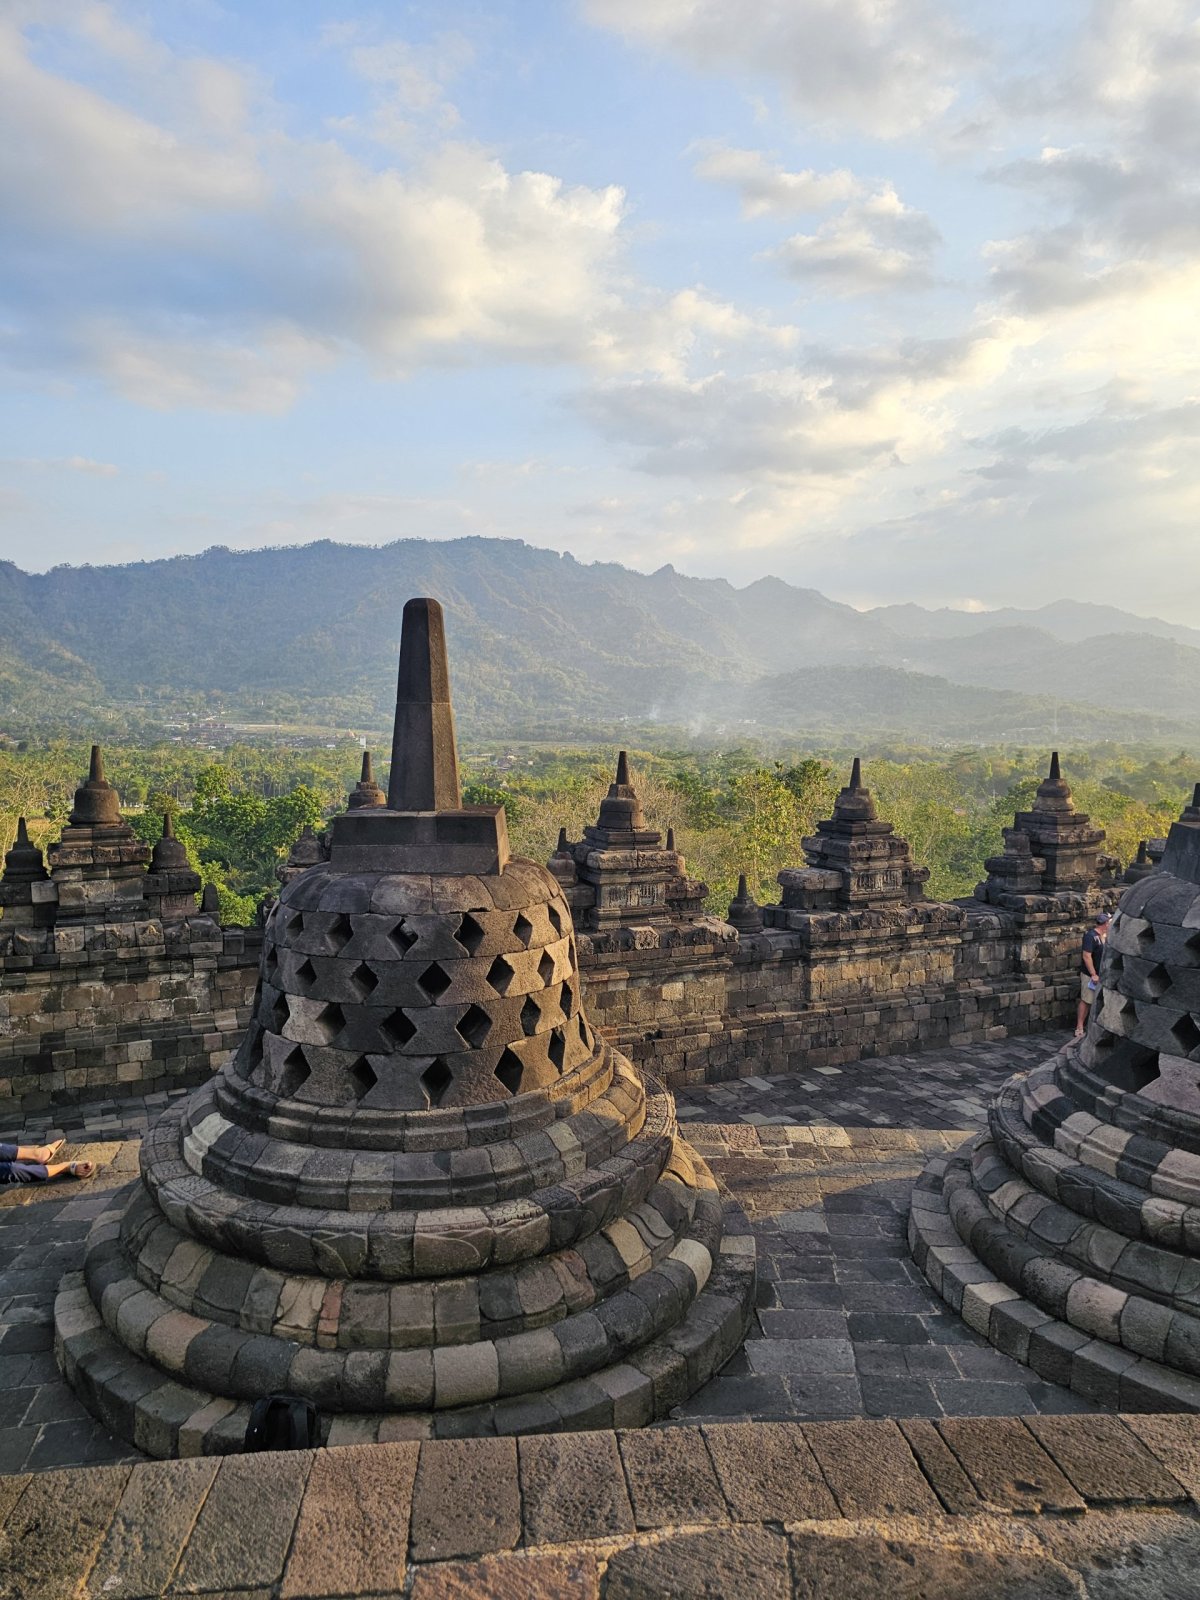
[{"x": 544, "y": 646}]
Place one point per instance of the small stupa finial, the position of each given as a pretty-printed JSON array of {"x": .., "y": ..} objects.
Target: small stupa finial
[
  {"x": 168, "y": 826},
  {"x": 424, "y": 775},
  {"x": 743, "y": 888},
  {"x": 622, "y": 777},
  {"x": 96, "y": 766},
  {"x": 670, "y": 838},
  {"x": 856, "y": 774},
  {"x": 562, "y": 848},
  {"x": 1055, "y": 771},
  {"x": 22, "y": 833},
  {"x": 367, "y": 775}
]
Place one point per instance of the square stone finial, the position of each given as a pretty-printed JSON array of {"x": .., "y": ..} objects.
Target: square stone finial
[{"x": 424, "y": 775}]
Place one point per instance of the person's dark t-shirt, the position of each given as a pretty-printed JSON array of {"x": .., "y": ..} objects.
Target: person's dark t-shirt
[{"x": 1093, "y": 945}]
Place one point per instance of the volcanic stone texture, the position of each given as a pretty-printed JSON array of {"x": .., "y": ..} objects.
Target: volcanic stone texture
[{"x": 1069, "y": 1233}]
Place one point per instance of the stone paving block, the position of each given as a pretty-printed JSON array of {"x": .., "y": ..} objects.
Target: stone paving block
[
  {"x": 53, "y": 1531},
  {"x": 1175, "y": 1441},
  {"x": 703, "y": 1566},
  {"x": 152, "y": 1523},
  {"x": 768, "y": 1472},
  {"x": 671, "y": 1478},
  {"x": 942, "y": 1467},
  {"x": 1104, "y": 1460},
  {"x": 866, "y": 1566},
  {"x": 466, "y": 1499},
  {"x": 572, "y": 1487},
  {"x": 1008, "y": 1467},
  {"x": 870, "y": 1468},
  {"x": 352, "y": 1534},
  {"x": 244, "y": 1529},
  {"x": 573, "y": 1576}
]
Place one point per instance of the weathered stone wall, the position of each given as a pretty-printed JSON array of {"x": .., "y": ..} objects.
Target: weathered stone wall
[
  {"x": 121, "y": 1008},
  {"x": 98, "y": 1011},
  {"x": 837, "y": 988}
]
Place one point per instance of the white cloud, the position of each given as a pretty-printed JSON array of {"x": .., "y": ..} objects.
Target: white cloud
[
  {"x": 83, "y": 464},
  {"x": 875, "y": 243},
  {"x": 887, "y": 67},
  {"x": 767, "y": 189}
]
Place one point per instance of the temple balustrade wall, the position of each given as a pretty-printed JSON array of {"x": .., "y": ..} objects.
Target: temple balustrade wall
[
  {"x": 106, "y": 1010},
  {"x": 118, "y": 1009}
]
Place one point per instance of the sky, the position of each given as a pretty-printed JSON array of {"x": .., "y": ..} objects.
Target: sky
[{"x": 896, "y": 299}]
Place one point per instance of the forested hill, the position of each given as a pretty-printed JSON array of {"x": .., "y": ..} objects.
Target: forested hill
[{"x": 545, "y": 645}]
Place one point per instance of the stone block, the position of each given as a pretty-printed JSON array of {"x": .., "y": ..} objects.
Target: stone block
[
  {"x": 671, "y": 1478},
  {"x": 352, "y": 1534},
  {"x": 466, "y": 1499},
  {"x": 768, "y": 1472},
  {"x": 573, "y": 1488},
  {"x": 870, "y": 1468}
]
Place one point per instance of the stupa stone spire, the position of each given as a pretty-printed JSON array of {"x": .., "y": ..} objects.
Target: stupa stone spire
[
  {"x": 1064, "y": 846},
  {"x": 171, "y": 885},
  {"x": 99, "y": 864},
  {"x": 424, "y": 775},
  {"x": 366, "y": 791},
  {"x": 620, "y": 873},
  {"x": 745, "y": 913},
  {"x": 855, "y": 861},
  {"x": 430, "y": 1197},
  {"x": 27, "y": 897}
]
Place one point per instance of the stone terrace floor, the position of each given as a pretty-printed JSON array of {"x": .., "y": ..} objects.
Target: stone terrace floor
[{"x": 822, "y": 1163}]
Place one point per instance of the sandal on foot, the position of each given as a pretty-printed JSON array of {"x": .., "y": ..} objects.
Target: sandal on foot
[{"x": 82, "y": 1169}]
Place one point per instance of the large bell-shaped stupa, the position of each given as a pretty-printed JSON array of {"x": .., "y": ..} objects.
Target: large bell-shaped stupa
[
  {"x": 425, "y": 1194},
  {"x": 1069, "y": 1232}
]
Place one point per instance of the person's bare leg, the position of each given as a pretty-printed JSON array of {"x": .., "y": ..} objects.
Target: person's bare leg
[
  {"x": 1081, "y": 1015},
  {"x": 44, "y": 1153}
]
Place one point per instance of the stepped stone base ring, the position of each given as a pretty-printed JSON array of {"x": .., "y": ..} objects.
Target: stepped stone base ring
[
  {"x": 1069, "y": 1233},
  {"x": 425, "y": 1194}
]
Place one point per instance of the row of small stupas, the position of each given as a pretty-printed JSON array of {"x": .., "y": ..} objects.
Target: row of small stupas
[
  {"x": 99, "y": 871},
  {"x": 621, "y": 873}
]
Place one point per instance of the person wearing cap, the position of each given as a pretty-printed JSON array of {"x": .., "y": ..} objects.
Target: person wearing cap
[{"x": 1089, "y": 970}]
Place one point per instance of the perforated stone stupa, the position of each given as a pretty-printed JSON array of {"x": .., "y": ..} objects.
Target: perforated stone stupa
[
  {"x": 425, "y": 1194},
  {"x": 1069, "y": 1233}
]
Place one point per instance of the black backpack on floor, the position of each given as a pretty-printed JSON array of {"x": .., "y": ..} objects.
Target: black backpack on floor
[{"x": 282, "y": 1422}]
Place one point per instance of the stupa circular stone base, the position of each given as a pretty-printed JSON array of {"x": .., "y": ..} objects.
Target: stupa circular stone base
[
  {"x": 1067, "y": 1348},
  {"x": 141, "y": 1402}
]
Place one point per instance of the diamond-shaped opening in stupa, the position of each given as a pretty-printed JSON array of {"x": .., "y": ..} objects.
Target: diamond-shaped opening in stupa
[
  {"x": 435, "y": 1080},
  {"x": 523, "y": 929},
  {"x": 339, "y": 933},
  {"x": 1158, "y": 980},
  {"x": 509, "y": 1070},
  {"x": 306, "y": 973},
  {"x": 398, "y": 1029},
  {"x": 279, "y": 1013},
  {"x": 295, "y": 923},
  {"x": 474, "y": 1026},
  {"x": 434, "y": 980},
  {"x": 331, "y": 1019},
  {"x": 500, "y": 975},
  {"x": 363, "y": 1077},
  {"x": 364, "y": 980},
  {"x": 402, "y": 937},
  {"x": 546, "y": 968},
  {"x": 294, "y": 1073},
  {"x": 531, "y": 1016},
  {"x": 1186, "y": 1034},
  {"x": 567, "y": 1000},
  {"x": 555, "y": 920},
  {"x": 470, "y": 934},
  {"x": 557, "y": 1048}
]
